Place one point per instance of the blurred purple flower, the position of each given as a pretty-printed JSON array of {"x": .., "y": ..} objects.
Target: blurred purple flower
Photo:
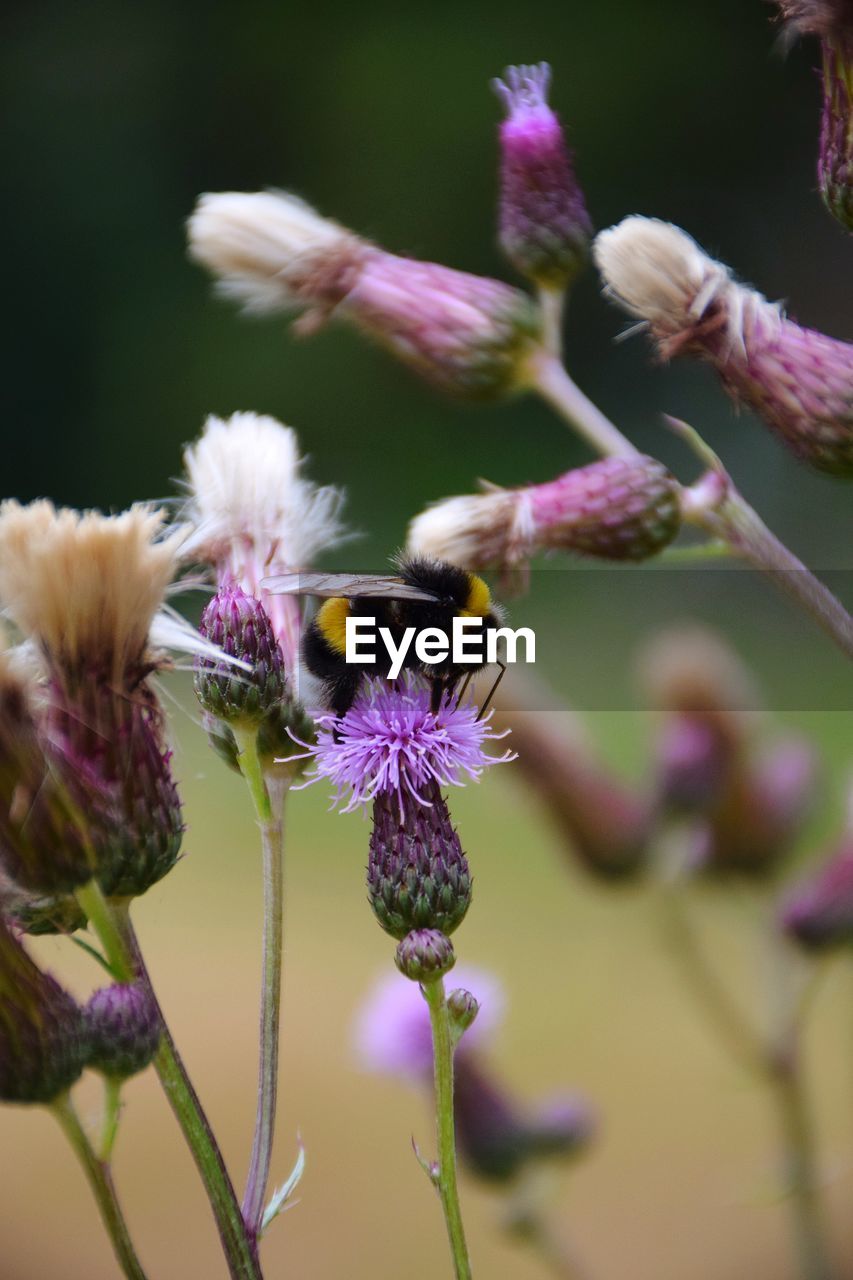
[{"x": 392, "y": 1028}]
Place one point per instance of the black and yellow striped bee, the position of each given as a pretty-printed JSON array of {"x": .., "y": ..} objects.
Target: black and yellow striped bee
[{"x": 424, "y": 593}]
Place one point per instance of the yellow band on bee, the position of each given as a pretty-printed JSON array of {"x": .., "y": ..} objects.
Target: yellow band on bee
[
  {"x": 332, "y": 621},
  {"x": 479, "y": 600}
]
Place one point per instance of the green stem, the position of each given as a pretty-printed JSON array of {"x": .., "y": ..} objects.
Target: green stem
[
  {"x": 552, "y": 303},
  {"x": 268, "y": 796},
  {"x": 778, "y": 1066},
  {"x": 111, "y": 922},
  {"x": 735, "y": 521},
  {"x": 112, "y": 1115},
  {"x": 445, "y": 1177},
  {"x": 549, "y": 377},
  {"x": 99, "y": 1177},
  {"x": 800, "y": 1168}
]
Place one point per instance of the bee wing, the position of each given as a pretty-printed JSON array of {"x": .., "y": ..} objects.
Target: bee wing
[{"x": 351, "y": 585}]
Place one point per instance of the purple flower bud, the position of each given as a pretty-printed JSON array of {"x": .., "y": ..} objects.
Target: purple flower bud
[
  {"x": 798, "y": 381},
  {"x": 544, "y": 227},
  {"x": 471, "y": 336},
  {"x": 616, "y": 509},
  {"x": 694, "y": 761},
  {"x": 463, "y": 1008},
  {"x": 818, "y": 914},
  {"x": 425, "y": 955},
  {"x": 237, "y": 624},
  {"x": 417, "y": 874},
  {"x": 42, "y": 1030},
  {"x": 497, "y": 1137},
  {"x": 124, "y": 1028}
]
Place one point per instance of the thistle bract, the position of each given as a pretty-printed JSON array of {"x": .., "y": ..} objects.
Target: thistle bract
[
  {"x": 417, "y": 874},
  {"x": 425, "y": 955}
]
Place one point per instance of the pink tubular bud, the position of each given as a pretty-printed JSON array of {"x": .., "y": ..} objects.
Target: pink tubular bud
[
  {"x": 469, "y": 335},
  {"x": 798, "y": 381},
  {"x": 544, "y": 227},
  {"x": 617, "y": 509}
]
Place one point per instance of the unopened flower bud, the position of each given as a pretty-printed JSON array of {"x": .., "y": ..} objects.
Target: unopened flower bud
[
  {"x": 621, "y": 508},
  {"x": 832, "y": 22},
  {"x": 463, "y": 1008},
  {"x": 238, "y": 625},
  {"x": 469, "y": 335},
  {"x": 425, "y": 955},
  {"x": 124, "y": 1028},
  {"x": 798, "y": 381},
  {"x": 417, "y": 874},
  {"x": 544, "y": 227},
  {"x": 42, "y": 1030}
]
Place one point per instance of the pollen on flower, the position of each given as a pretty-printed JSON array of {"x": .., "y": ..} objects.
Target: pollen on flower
[{"x": 392, "y": 742}]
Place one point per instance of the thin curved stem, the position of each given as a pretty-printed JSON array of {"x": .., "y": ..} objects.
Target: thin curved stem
[
  {"x": 552, "y": 303},
  {"x": 445, "y": 1174},
  {"x": 549, "y": 377},
  {"x": 801, "y": 1169},
  {"x": 112, "y": 1115},
  {"x": 268, "y": 795},
  {"x": 111, "y": 921},
  {"x": 99, "y": 1177}
]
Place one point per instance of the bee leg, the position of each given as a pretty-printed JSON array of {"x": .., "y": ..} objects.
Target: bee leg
[
  {"x": 493, "y": 690},
  {"x": 437, "y": 693},
  {"x": 464, "y": 689}
]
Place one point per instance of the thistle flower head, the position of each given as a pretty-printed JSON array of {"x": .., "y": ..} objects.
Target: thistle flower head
[
  {"x": 825, "y": 18},
  {"x": 418, "y": 880},
  {"x": 392, "y": 1029},
  {"x": 43, "y": 1043},
  {"x": 251, "y": 514},
  {"x": 616, "y": 509},
  {"x": 544, "y": 227},
  {"x": 391, "y": 743},
  {"x": 238, "y": 625},
  {"x": 796, "y": 380},
  {"x": 85, "y": 590},
  {"x": 271, "y": 250},
  {"x": 469, "y": 335},
  {"x": 124, "y": 1026}
]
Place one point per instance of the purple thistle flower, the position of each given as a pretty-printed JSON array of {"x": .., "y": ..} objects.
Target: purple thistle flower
[
  {"x": 544, "y": 227},
  {"x": 391, "y": 742},
  {"x": 392, "y": 1033}
]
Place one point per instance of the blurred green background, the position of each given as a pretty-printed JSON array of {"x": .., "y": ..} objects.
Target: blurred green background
[{"x": 116, "y": 117}]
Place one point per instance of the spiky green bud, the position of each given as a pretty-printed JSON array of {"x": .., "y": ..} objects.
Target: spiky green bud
[
  {"x": 124, "y": 1027},
  {"x": 425, "y": 955}
]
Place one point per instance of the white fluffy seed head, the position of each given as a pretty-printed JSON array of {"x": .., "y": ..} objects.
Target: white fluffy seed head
[
  {"x": 254, "y": 242},
  {"x": 658, "y": 273},
  {"x": 477, "y": 531},
  {"x": 85, "y": 587},
  {"x": 247, "y": 497}
]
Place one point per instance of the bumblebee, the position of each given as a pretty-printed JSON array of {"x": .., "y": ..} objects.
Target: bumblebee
[{"x": 424, "y": 593}]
